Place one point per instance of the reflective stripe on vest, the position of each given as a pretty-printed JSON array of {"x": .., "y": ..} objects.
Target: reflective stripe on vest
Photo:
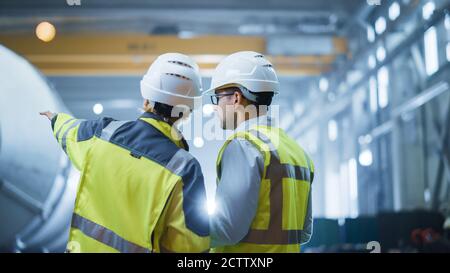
[
  {"x": 111, "y": 128},
  {"x": 64, "y": 137},
  {"x": 105, "y": 236},
  {"x": 177, "y": 163},
  {"x": 99, "y": 232},
  {"x": 60, "y": 128},
  {"x": 275, "y": 172}
]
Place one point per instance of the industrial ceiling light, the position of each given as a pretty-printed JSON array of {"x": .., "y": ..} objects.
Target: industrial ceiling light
[
  {"x": 428, "y": 10},
  {"x": 383, "y": 85},
  {"x": 394, "y": 11},
  {"x": 370, "y": 34},
  {"x": 45, "y": 31},
  {"x": 448, "y": 52},
  {"x": 208, "y": 110},
  {"x": 97, "y": 109},
  {"x": 198, "y": 142},
  {"x": 381, "y": 54},
  {"x": 332, "y": 130},
  {"x": 365, "y": 157},
  {"x": 323, "y": 84},
  {"x": 431, "y": 51},
  {"x": 380, "y": 25}
]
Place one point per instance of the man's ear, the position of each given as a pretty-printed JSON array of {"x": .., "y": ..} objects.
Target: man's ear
[
  {"x": 237, "y": 98},
  {"x": 146, "y": 104}
]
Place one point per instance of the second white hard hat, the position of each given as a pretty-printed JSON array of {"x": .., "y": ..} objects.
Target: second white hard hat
[
  {"x": 246, "y": 68},
  {"x": 172, "y": 79}
]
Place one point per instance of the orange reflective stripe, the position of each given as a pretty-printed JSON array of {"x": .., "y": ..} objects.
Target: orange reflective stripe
[
  {"x": 275, "y": 173},
  {"x": 271, "y": 237},
  {"x": 290, "y": 171}
]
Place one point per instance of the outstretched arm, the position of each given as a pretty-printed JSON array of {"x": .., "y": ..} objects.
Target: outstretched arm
[{"x": 75, "y": 136}]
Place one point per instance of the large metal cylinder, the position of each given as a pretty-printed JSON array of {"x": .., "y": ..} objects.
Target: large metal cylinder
[{"x": 37, "y": 182}]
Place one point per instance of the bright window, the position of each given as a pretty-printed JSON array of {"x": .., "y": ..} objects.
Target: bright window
[
  {"x": 380, "y": 25},
  {"x": 373, "y": 94},
  {"x": 431, "y": 51},
  {"x": 332, "y": 130},
  {"x": 428, "y": 10},
  {"x": 370, "y": 34},
  {"x": 383, "y": 85},
  {"x": 381, "y": 54},
  {"x": 394, "y": 11},
  {"x": 448, "y": 52}
]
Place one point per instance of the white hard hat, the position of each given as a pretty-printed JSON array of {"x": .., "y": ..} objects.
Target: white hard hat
[
  {"x": 246, "y": 68},
  {"x": 172, "y": 79}
]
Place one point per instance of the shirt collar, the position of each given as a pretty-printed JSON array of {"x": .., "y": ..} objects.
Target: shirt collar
[
  {"x": 151, "y": 115},
  {"x": 264, "y": 120},
  {"x": 166, "y": 128}
]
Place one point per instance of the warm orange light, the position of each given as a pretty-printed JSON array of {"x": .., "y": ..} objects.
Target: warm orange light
[{"x": 45, "y": 31}]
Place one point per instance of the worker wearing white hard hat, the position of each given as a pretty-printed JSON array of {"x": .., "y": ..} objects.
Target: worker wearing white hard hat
[
  {"x": 263, "y": 197},
  {"x": 140, "y": 190}
]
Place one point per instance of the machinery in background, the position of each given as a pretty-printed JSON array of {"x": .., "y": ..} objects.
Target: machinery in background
[
  {"x": 405, "y": 231},
  {"x": 37, "y": 182}
]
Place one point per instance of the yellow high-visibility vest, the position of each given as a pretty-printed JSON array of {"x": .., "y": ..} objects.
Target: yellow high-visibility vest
[
  {"x": 139, "y": 191},
  {"x": 284, "y": 192}
]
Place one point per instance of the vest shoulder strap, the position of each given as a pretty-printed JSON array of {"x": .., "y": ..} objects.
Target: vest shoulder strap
[{"x": 247, "y": 135}]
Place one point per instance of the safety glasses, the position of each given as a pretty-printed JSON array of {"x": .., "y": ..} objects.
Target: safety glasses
[{"x": 215, "y": 98}]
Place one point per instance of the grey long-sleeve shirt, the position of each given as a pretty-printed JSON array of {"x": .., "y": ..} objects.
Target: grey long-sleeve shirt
[{"x": 237, "y": 192}]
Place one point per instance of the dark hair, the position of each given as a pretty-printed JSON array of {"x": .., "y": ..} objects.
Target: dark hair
[
  {"x": 165, "y": 110},
  {"x": 262, "y": 98}
]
